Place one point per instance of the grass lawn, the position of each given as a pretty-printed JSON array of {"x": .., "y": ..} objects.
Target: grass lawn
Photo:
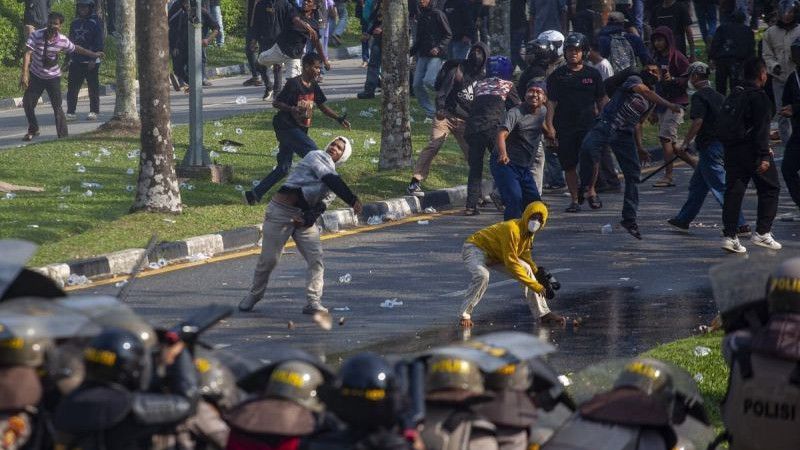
[
  {"x": 711, "y": 370},
  {"x": 69, "y": 222}
]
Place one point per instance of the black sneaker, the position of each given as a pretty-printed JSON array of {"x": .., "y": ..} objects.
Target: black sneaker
[
  {"x": 573, "y": 208},
  {"x": 679, "y": 225},
  {"x": 415, "y": 189},
  {"x": 364, "y": 95},
  {"x": 498, "y": 201},
  {"x": 250, "y": 198},
  {"x": 632, "y": 228}
]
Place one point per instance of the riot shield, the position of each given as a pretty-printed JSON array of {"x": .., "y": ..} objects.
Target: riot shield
[
  {"x": 14, "y": 253},
  {"x": 33, "y": 318},
  {"x": 108, "y": 311}
]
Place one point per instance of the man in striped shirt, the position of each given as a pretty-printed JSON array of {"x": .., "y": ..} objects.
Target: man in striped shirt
[{"x": 41, "y": 71}]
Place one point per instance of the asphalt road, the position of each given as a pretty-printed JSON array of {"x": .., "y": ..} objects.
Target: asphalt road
[
  {"x": 219, "y": 101},
  {"x": 631, "y": 295}
]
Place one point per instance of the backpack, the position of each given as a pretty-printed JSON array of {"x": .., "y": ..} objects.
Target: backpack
[
  {"x": 621, "y": 55},
  {"x": 448, "y": 65},
  {"x": 731, "y": 125}
]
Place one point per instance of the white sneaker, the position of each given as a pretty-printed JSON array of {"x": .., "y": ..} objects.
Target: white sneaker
[
  {"x": 733, "y": 245},
  {"x": 765, "y": 240},
  {"x": 91, "y": 116},
  {"x": 71, "y": 117}
]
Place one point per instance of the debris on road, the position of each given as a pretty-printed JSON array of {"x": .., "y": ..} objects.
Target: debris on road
[{"x": 391, "y": 303}]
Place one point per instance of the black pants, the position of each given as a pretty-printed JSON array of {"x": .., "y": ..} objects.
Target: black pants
[
  {"x": 77, "y": 73},
  {"x": 180, "y": 64},
  {"x": 478, "y": 144},
  {"x": 728, "y": 72},
  {"x": 607, "y": 177},
  {"x": 35, "y": 88},
  {"x": 790, "y": 167},
  {"x": 738, "y": 174},
  {"x": 257, "y": 69}
]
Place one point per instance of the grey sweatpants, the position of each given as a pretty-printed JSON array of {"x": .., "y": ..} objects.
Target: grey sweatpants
[
  {"x": 278, "y": 227},
  {"x": 475, "y": 261}
]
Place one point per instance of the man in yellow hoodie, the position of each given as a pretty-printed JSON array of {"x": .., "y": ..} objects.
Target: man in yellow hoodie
[{"x": 508, "y": 243}]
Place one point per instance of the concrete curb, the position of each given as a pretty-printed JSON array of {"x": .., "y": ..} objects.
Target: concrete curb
[{"x": 202, "y": 247}]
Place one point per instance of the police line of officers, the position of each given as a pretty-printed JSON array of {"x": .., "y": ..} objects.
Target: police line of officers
[{"x": 114, "y": 382}]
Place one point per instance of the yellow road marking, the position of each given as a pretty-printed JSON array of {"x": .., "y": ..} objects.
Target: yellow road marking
[{"x": 256, "y": 251}]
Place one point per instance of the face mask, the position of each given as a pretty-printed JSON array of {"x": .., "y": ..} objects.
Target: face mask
[
  {"x": 691, "y": 88},
  {"x": 534, "y": 225}
]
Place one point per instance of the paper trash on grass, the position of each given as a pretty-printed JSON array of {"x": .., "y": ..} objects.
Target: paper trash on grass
[
  {"x": 91, "y": 185},
  {"x": 698, "y": 377},
  {"x": 9, "y": 196},
  {"x": 168, "y": 220},
  {"x": 375, "y": 161},
  {"x": 65, "y": 189},
  {"x": 105, "y": 152},
  {"x": 81, "y": 168},
  {"x": 88, "y": 193},
  {"x": 213, "y": 154},
  {"x": 129, "y": 188},
  {"x": 217, "y": 123},
  {"x": 229, "y": 149},
  {"x": 239, "y": 187},
  {"x": 239, "y": 131},
  {"x": 701, "y": 351},
  {"x": 130, "y": 171},
  {"x": 33, "y": 225}
]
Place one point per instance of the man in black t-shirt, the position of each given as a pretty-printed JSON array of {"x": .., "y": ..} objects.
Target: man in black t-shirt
[
  {"x": 295, "y": 105},
  {"x": 266, "y": 20},
  {"x": 292, "y": 40},
  {"x": 709, "y": 174},
  {"x": 675, "y": 16},
  {"x": 575, "y": 95}
]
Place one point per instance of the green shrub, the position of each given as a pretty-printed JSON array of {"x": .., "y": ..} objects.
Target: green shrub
[
  {"x": 234, "y": 17},
  {"x": 9, "y": 39}
]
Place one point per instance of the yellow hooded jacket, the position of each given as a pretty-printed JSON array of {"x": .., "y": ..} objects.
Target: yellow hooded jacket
[{"x": 510, "y": 241}]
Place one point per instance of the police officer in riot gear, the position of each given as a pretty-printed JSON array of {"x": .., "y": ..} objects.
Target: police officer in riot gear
[
  {"x": 287, "y": 410},
  {"x": 368, "y": 398},
  {"x": 635, "y": 415},
  {"x": 116, "y": 407},
  {"x": 512, "y": 410},
  {"x": 761, "y": 409},
  {"x": 454, "y": 385},
  {"x": 22, "y": 426}
]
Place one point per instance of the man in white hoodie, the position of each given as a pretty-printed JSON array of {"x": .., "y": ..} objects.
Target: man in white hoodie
[{"x": 293, "y": 212}]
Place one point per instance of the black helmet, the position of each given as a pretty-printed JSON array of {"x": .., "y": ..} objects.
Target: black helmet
[
  {"x": 367, "y": 395},
  {"x": 118, "y": 356},
  {"x": 539, "y": 51},
  {"x": 577, "y": 40},
  {"x": 783, "y": 288}
]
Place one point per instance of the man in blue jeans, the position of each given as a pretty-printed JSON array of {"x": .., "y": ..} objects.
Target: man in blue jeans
[
  {"x": 517, "y": 147},
  {"x": 709, "y": 175},
  {"x": 430, "y": 47},
  {"x": 620, "y": 126},
  {"x": 295, "y": 105}
]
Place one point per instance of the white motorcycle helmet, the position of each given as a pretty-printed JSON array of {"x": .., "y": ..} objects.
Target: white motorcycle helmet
[{"x": 555, "y": 38}]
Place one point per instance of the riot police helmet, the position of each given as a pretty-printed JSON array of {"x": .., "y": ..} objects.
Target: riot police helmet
[
  {"x": 783, "y": 288},
  {"x": 217, "y": 382},
  {"x": 296, "y": 381},
  {"x": 367, "y": 393},
  {"x": 120, "y": 357},
  {"x": 579, "y": 41},
  {"x": 515, "y": 377},
  {"x": 451, "y": 373},
  {"x": 650, "y": 376}
]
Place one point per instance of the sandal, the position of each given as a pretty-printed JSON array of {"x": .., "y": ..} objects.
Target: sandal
[
  {"x": 594, "y": 202},
  {"x": 573, "y": 208},
  {"x": 664, "y": 182}
]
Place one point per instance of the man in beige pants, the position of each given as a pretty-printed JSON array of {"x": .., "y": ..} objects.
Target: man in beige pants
[
  {"x": 293, "y": 212},
  {"x": 507, "y": 246}
]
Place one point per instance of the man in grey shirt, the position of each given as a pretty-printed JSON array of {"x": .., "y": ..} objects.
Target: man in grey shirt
[
  {"x": 293, "y": 212},
  {"x": 518, "y": 150}
]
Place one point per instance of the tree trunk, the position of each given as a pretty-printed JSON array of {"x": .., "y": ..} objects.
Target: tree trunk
[
  {"x": 396, "y": 127},
  {"x": 157, "y": 189},
  {"x": 500, "y": 28},
  {"x": 126, "y": 116}
]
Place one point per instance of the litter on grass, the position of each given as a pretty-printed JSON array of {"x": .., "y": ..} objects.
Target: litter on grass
[{"x": 701, "y": 351}]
